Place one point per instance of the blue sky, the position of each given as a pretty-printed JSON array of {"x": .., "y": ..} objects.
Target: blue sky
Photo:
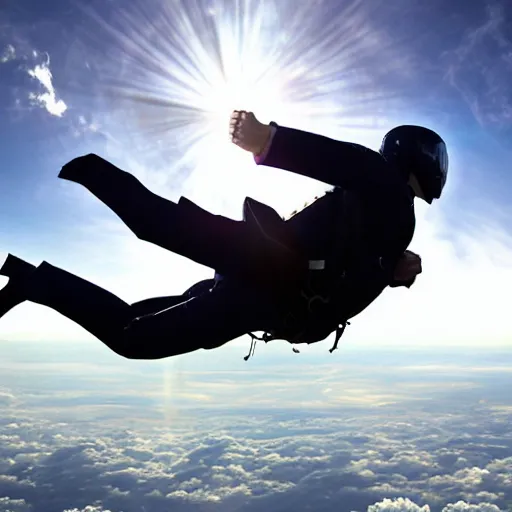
[
  {"x": 411, "y": 413},
  {"x": 150, "y": 86}
]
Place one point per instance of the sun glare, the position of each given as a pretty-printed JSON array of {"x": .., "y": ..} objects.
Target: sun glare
[
  {"x": 241, "y": 87},
  {"x": 178, "y": 68}
]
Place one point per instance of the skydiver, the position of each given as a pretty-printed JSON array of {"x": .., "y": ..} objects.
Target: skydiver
[{"x": 298, "y": 279}]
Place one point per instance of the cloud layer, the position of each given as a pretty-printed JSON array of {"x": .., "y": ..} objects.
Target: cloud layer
[{"x": 70, "y": 439}]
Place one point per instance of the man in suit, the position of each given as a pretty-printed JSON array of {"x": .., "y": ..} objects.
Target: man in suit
[{"x": 298, "y": 279}]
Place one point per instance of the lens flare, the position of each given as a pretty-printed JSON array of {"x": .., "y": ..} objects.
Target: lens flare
[{"x": 173, "y": 71}]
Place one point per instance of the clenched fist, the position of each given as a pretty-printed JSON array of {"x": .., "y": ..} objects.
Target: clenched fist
[
  {"x": 408, "y": 267},
  {"x": 247, "y": 132}
]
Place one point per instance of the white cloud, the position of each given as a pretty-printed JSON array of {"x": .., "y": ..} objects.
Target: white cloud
[
  {"x": 83, "y": 126},
  {"x": 406, "y": 505},
  {"x": 14, "y": 505},
  {"x": 8, "y": 54},
  {"x": 468, "y": 478},
  {"x": 88, "y": 508},
  {"x": 48, "y": 100},
  {"x": 397, "y": 505},
  {"x": 462, "y": 506}
]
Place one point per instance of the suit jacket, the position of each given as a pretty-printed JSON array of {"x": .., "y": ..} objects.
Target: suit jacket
[{"x": 370, "y": 217}]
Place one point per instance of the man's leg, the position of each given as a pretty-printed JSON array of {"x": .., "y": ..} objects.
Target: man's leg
[
  {"x": 149, "y": 216},
  {"x": 225, "y": 245},
  {"x": 156, "y": 304},
  {"x": 183, "y": 228},
  {"x": 16, "y": 270},
  {"x": 207, "y": 321}
]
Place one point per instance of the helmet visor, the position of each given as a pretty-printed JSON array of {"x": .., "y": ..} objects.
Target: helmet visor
[{"x": 438, "y": 154}]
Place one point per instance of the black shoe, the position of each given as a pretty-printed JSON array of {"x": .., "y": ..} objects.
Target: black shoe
[{"x": 13, "y": 293}]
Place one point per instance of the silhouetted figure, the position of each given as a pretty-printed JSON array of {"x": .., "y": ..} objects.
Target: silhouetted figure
[{"x": 298, "y": 279}]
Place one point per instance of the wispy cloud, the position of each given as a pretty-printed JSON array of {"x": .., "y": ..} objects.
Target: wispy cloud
[
  {"x": 480, "y": 68},
  {"x": 8, "y": 53},
  {"x": 48, "y": 99}
]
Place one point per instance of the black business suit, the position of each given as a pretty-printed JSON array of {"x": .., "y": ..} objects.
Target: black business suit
[{"x": 263, "y": 259}]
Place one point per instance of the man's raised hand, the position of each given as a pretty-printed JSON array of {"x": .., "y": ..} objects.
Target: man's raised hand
[{"x": 247, "y": 132}]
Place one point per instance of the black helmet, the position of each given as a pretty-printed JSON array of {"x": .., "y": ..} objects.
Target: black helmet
[{"x": 419, "y": 151}]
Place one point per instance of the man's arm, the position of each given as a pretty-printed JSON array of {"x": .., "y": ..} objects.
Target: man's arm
[{"x": 337, "y": 163}]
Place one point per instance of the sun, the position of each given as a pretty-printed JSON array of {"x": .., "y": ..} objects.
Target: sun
[{"x": 182, "y": 66}]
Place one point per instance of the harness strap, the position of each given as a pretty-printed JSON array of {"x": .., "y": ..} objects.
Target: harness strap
[
  {"x": 266, "y": 338},
  {"x": 339, "y": 333}
]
